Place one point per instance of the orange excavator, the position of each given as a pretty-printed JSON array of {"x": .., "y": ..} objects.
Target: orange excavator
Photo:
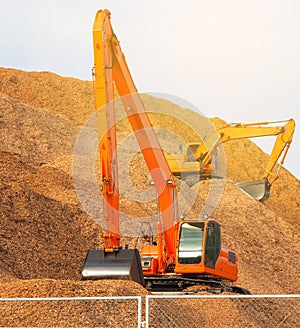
[
  {"x": 200, "y": 158},
  {"x": 185, "y": 251}
]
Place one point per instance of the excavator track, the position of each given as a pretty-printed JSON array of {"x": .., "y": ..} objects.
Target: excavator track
[{"x": 180, "y": 283}]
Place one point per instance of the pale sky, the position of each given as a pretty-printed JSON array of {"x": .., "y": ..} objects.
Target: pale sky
[{"x": 235, "y": 59}]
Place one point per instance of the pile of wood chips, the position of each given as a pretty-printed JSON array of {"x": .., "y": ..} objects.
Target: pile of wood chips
[{"x": 45, "y": 230}]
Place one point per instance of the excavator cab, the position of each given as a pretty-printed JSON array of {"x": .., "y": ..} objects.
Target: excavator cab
[{"x": 200, "y": 251}]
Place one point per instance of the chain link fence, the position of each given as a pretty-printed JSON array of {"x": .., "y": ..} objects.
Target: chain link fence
[
  {"x": 223, "y": 311},
  {"x": 182, "y": 311},
  {"x": 106, "y": 312}
]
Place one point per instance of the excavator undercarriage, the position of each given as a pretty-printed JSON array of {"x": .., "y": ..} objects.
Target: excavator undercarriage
[{"x": 176, "y": 283}]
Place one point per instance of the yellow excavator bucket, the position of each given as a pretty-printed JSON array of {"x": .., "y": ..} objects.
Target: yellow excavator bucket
[{"x": 258, "y": 189}]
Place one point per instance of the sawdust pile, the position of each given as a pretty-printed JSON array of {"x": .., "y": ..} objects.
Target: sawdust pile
[
  {"x": 43, "y": 234},
  {"x": 71, "y": 98},
  {"x": 71, "y": 313},
  {"x": 45, "y": 231}
]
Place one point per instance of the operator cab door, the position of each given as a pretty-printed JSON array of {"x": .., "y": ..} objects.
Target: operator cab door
[{"x": 212, "y": 244}]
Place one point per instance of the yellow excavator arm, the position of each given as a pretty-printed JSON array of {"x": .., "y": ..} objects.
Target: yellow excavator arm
[
  {"x": 198, "y": 157},
  {"x": 282, "y": 145},
  {"x": 251, "y": 130}
]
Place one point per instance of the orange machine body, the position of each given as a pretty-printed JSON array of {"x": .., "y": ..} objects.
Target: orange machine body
[
  {"x": 183, "y": 247},
  {"x": 199, "y": 252}
]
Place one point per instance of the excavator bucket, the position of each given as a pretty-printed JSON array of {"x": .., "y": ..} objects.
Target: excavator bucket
[
  {"x": 258, "y": 189},
  {"x": 124, "y": 264}
]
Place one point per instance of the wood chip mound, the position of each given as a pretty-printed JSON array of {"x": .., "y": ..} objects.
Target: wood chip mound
[
  {"x": 101, "y": 313},
  {"x": 45, "y": 230}
]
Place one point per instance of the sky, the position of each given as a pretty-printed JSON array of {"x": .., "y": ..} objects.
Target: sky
[{"x": 235, "y": 59}]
